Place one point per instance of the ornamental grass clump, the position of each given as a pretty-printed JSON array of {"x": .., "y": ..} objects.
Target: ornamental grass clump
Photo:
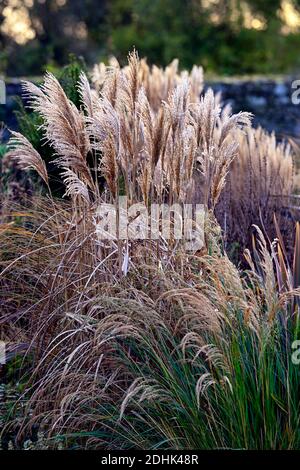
[{"x": 143, "y": 343}]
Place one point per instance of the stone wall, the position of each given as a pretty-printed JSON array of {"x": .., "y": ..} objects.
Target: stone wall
[{"x": 268, "y": 99}]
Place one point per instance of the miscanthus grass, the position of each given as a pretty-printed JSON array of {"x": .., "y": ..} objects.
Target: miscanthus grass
[{"x": 143, "y": 344}]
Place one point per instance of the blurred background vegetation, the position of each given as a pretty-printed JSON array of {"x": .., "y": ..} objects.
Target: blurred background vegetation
[{"x": 227, "y": 37}]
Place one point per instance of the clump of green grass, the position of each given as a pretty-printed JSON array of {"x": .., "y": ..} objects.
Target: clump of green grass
[{"x": 242, "y": 396}]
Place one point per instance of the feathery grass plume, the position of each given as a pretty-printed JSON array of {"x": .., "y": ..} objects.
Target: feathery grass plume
[
  {"x": 103, "y": 128},
  {"x": 75, "y": 187},
  {"x": 216, "y": 149},
  {"x": 21, "y": 150},
  {"x": 109, "y": 164},
  {"x": 101, "y": 72},
  {"x": 197, "y": 82},
  {"x": 177, "y": 111},
  {"x": 98, "y": 75},
  {"x": 88, "y": 96},
  {"x": 132, "y": 82},
  {"x": 151, "y": 139},
  {"x": 161, "y": 82},
  {"x": 111, "y": 85},
  {"x": 63, "y": 126}
]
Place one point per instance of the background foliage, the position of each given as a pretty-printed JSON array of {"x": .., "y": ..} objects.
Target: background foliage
[{"x": 225, "y": 36}]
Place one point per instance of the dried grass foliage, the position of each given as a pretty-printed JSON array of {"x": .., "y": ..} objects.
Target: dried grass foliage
[{"x": 259, "y": 184}]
